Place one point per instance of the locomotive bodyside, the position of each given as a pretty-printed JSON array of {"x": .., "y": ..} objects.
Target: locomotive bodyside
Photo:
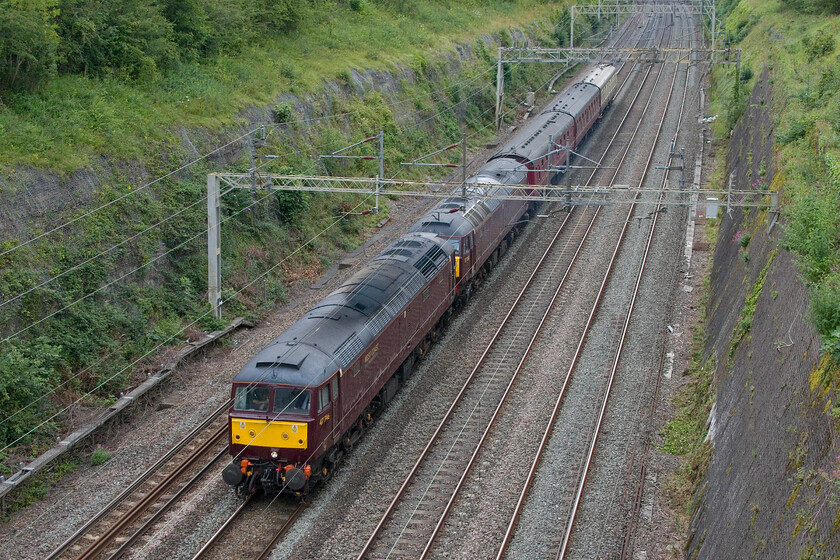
[{"x": 477, "y": 226}]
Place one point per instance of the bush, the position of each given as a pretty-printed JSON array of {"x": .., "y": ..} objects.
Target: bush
[
  {"x": 831, "y": 344},
  {"x": 825, "y": 306},
  {"x": 744, "y": 240},
  {"x": 28, "y": 42},
  {"x": 812, "y": 233},
  {"x": 28, "y": 371},
  {"x": 292, "y": 206},
  {"x": 821, "y": 44},
  {"x": 283, "y": 113},
  {"x": 798, "y": 129},
  {"x": 99, "y": 456},
  {"x": 746, "y": 74}
]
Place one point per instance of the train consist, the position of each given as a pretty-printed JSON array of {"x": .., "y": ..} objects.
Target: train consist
[{"x": 305, "y": 399}]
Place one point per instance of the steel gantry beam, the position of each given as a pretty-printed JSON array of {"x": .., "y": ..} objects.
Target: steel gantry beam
[
  {"x": 607, "y": 8},
  {"x": 567, "y": 195},
  {"x": 569, "y": 55},
  {"x": 619, "y": 194}
]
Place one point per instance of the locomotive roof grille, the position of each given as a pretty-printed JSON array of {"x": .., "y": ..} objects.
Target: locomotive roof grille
[
  {"x": 398, "y": 252},
  {"x": 408, "y": 243},
  {"x": 429, "y": 264},
  {"x": 353, "y": 346}
]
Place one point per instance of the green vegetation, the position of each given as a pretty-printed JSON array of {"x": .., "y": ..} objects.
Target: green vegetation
[
  {"x": 87, "y": 308},
  {"x": 99, "y": 457},
  {"x": 798, "y": 40},
  {"x": 744, "y": 324},
  {"x": 81, "y": 78},
  {"x": 685, "y": 434}
]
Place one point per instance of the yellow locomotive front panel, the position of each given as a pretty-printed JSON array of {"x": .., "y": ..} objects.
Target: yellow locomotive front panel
[{"x": 282, "y": 435}]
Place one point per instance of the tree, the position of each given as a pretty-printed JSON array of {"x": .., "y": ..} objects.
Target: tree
[
  {"x": 131, "y": 37},
  {"x": 191, "y": 25},
  {"x": 28, "y": 42}
]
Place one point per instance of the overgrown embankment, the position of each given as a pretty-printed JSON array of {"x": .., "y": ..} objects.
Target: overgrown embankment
[
  {"x": 772, "y": 485},
  {"x": 85, "y": 309}
]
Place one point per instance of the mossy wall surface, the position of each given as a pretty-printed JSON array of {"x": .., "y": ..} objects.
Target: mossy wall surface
[{"x": 771, "y": 490}]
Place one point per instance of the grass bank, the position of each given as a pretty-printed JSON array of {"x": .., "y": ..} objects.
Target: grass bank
[{"x": 798, "y": 42}]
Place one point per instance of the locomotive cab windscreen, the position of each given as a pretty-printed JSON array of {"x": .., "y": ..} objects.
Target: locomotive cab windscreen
[
  {"x": 292, "y": 400},
  {"x": 279, "y": 400}
]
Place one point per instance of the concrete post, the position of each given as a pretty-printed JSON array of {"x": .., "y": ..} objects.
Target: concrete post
[
  {"x": 500, "y": 90},
  {"x": 464, "y": 167},
  {"x": 381, "y": 168},
  {"x": 214, "y": 248}
]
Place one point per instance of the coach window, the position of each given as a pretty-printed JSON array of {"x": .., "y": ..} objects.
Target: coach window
[
  {"x": 323, "y": 397},
  {"x": 334, "y": 387}
]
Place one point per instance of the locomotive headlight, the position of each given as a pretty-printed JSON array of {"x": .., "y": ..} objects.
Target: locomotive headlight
[{"x": 273, "y": 454}]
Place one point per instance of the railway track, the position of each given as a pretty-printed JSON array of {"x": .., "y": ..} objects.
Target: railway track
[
  {"x": 639, "y": 451},
  {"x": 416, "y": 514},
  {"x": 264, "y": 524},
  {"x": 122, "y": 522},
  {"x": 574, "y": 496},
  {"x": 424, "y": 495}
]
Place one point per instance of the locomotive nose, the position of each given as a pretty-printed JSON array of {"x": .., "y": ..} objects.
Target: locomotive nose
[{"x": 295, "y": 479}]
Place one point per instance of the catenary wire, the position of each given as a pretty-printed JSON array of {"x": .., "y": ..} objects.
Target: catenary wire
[{"x": 87, "y": 368}]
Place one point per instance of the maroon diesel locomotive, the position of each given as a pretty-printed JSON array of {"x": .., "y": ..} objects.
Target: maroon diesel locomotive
[{"x": 305, "y": 399}]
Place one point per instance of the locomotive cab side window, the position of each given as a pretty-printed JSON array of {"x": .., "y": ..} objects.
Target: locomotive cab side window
[
  {"x": 323, "y": 397},
  {"x": 251, "y": 398},
  {"x": 291, "y": 400},
  {"x": 455, "y": 242}
]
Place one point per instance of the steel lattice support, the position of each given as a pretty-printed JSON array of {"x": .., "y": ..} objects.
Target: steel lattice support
[
  {"x": 566, "y": 195},
  {"x": 606, "y": 7}
]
